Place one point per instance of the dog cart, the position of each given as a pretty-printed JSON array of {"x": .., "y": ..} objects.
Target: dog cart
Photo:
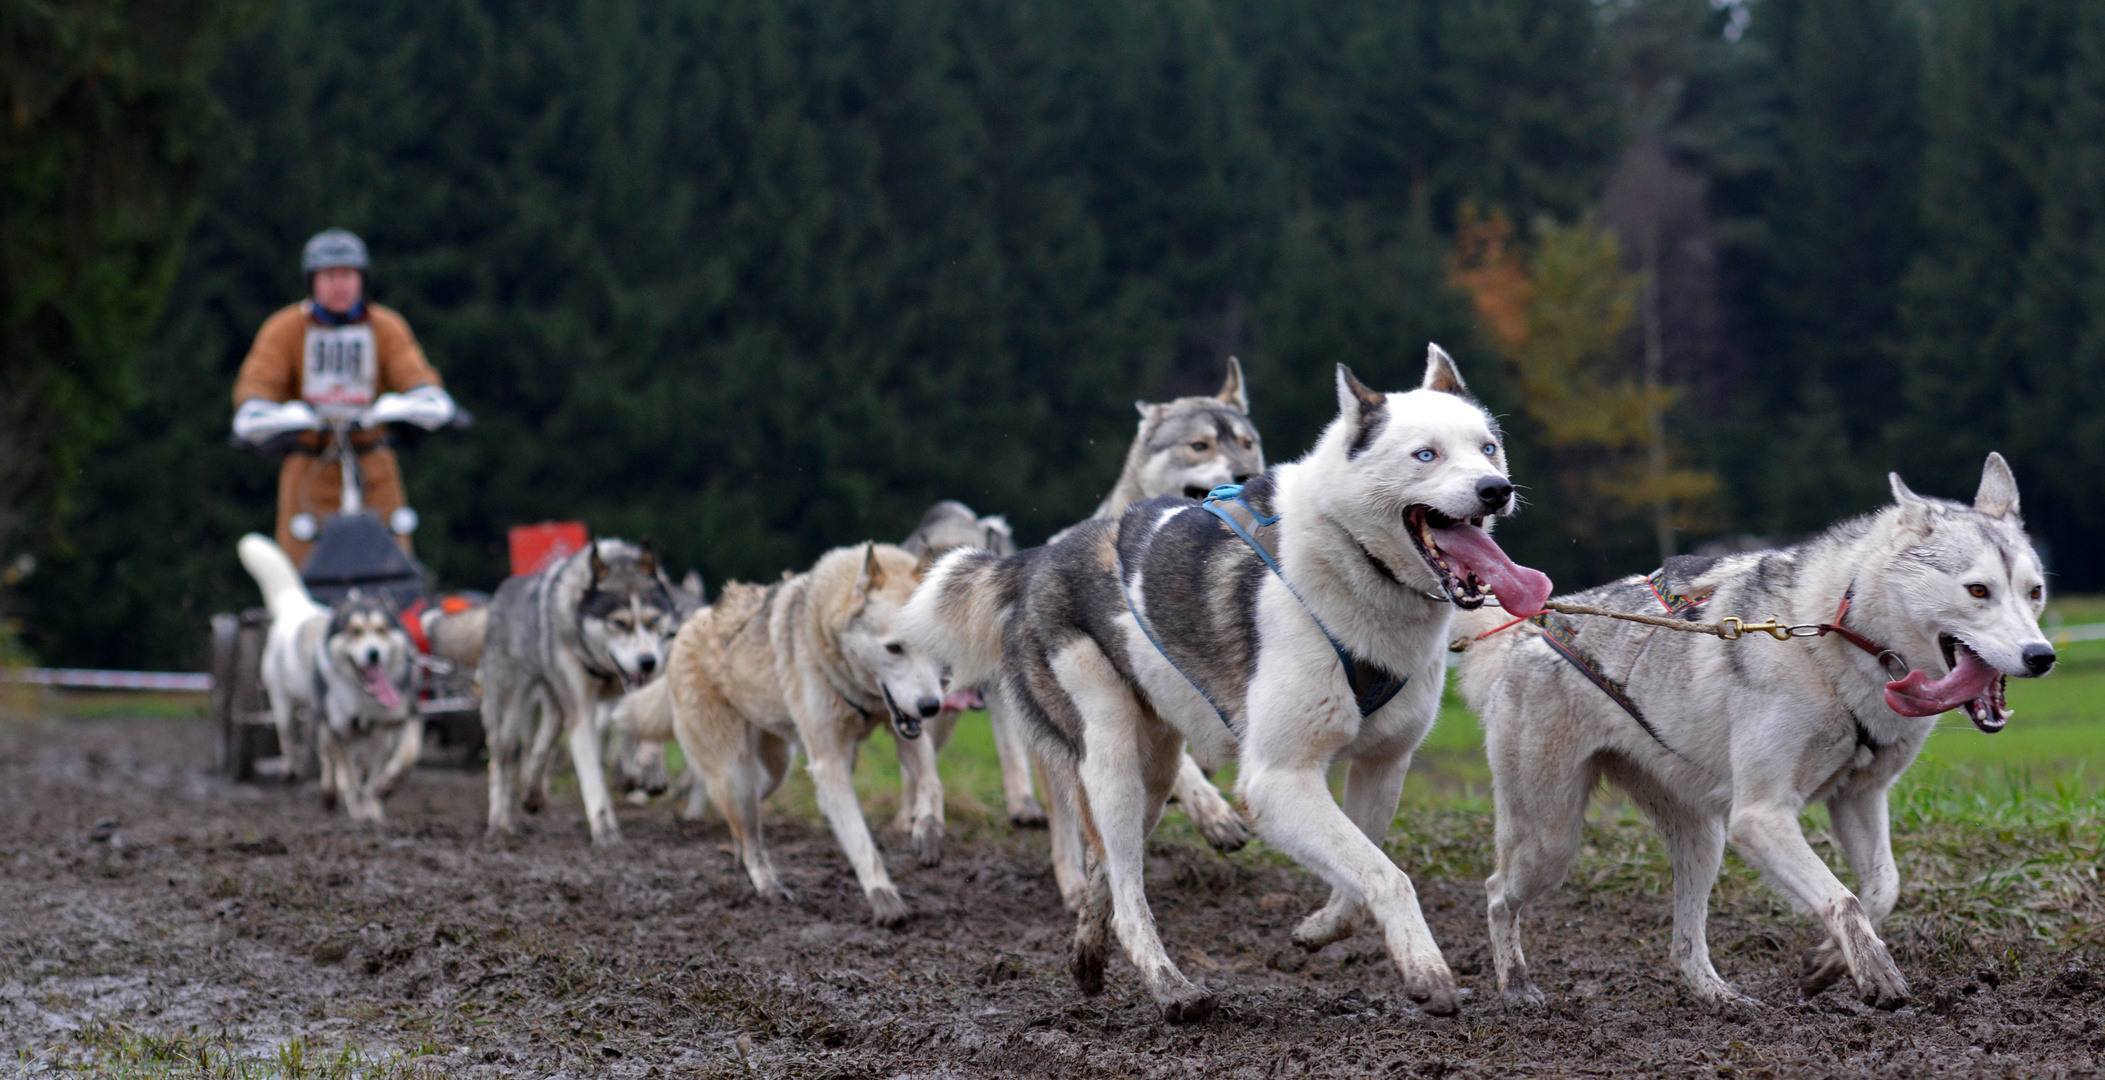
[{"x": 353, "y": 549}]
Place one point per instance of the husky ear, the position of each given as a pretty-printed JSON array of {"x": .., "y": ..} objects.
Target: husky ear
[
  {"x": 599, "y": 565},
  {"x": 1441, "y": 374},
  {"x": 1364, "y": 409},
  {"x": 1998, "y": 494},
  {"x": 1145, "y": 409},
  {"x": 647, "y": 558},
  {"x": 871, "y": 578},
  {"x": 922, "y": 562},
  {"x": 692, "y": 584},
  {"x": 1901, "y": 495},
  {"x": 1232, "y": 392}
]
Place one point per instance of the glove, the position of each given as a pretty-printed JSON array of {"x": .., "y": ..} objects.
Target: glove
[
  {"x": 427, "y": 407},
  {"x": 259, "y": 421}
]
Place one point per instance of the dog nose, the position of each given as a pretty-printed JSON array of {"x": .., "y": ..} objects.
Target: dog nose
[
  {"x": 1243, "y": 477},
  {"x": 1494, "y": 491},
  {"x": 646, "y": 664},
  {"x": 2039, "y": 659},
  {"x": 928, "y": 707}
]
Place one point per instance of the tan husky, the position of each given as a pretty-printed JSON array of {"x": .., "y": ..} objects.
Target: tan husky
[{"x": 811, "y": 660}]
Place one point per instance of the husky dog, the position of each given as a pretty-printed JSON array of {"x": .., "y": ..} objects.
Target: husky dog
[
  {"x": 1921, "y": 607},
  {"x": 814, "y": 661},
  {"x": 1165, "y": 628},
  {"x": 568, "y": 639},
  {"x": 351, "y": 666}
]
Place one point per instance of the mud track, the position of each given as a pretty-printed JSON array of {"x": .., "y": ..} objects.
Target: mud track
[{"x": 138, "y": 890}]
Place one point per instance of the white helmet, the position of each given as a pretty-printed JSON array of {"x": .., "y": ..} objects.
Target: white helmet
[{"x": 332, "y": 248}]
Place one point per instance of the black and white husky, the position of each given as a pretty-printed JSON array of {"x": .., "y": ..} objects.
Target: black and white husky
[
  {"x": 1128, "y": 639},
  {"x": 1922, "y": 607}
]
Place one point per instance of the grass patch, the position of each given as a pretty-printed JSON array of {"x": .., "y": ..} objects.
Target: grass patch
[{"x": 122, "y": 1052}]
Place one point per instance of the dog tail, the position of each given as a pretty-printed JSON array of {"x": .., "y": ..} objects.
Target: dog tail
[
  {"x": 646, "y": 712},
  {"x": 959, "y": 611},
  {"x": 274, "y": 573}
]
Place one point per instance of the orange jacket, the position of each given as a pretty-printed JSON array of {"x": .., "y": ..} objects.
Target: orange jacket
[{"x": 277, "y": 365}]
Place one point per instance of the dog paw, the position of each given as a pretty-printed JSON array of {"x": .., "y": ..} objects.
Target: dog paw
[
  {"x": 1820, "y": 968},
  {"x": 1222, "y": 827},
  {"x": 1525, "y": 995},
  {"x": 1880, "y": 983},
  {"x": 1329, "y": 924},
  {"x": 1434, "y": 992},
  {"x": 533, "y": 802},
  {"x": 1190, "y": 1004},
  {"x": 1027, "y": 814},
  {"x": 1086, "y": 964},
  {"x": 886, "y": 906},
  {"x": 928, "y": 841}
]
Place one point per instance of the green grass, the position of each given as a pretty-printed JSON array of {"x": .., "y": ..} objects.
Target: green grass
[{"x": 121, "y": 1052}]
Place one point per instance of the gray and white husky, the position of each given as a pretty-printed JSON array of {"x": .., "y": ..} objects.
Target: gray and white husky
[
  {"x": 1921, "y": 607},
  {"x": 1130, "y": 639},
  {"x": 570, "y": 640},
  {"x": 349, "y": 666}
]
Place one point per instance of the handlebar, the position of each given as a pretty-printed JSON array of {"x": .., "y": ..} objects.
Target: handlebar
[{"x": 287, "y": 442}]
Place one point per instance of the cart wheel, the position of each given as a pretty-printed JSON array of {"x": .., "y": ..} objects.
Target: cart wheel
[
  {"x": 244, "y": 739},
  {"x": 226, "y": 629}
]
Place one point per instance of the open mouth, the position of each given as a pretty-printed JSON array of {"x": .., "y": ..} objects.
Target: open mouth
[
  {"x": 1469, "y": 564},
  {"x": 1969, "y": 684},
  {"x": 909, "y": 725},
  {"x": 380, "y": 686},
  {"x": 1194, "y": 492}
]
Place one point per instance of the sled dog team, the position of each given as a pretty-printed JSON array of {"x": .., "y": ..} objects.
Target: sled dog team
[{"x": 1285, "y": 619}]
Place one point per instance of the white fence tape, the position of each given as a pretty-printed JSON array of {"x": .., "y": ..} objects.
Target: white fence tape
[{"x": 90, "y": 679}]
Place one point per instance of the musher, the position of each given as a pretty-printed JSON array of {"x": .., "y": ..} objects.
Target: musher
[{"x": 330, "y": 356}]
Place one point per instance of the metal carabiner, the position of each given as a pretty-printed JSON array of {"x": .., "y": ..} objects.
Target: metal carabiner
[{"x": 1732, "y": 627}]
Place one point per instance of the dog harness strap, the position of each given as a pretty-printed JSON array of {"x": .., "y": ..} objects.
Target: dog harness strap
[
  {"x": 1120, "y": 568},
  {"x": 1562, "y": 639},
  {"x": 1887, "y": 658},
  {"x": 1372, "y": 687}
]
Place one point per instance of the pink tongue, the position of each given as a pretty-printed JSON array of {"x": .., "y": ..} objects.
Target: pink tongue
[
  {"x": 381, "y": 687},
  {"x": 960, "y": 700},
  {"x": 1917, "y": 695},
  {"x": 1520, "y": 590}
]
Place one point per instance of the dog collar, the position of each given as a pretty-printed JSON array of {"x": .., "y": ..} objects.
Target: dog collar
[{"x": 1892, "y": 662}]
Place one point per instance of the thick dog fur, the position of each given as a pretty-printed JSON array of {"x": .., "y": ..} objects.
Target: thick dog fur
[
  {"x": 564, "y": 643},
  {"x": 812, "y": 661},
  {"x": 1107, "y": 713},
  {"x": 1751, "y": 731},
  {"x": 321, "y": 660}
]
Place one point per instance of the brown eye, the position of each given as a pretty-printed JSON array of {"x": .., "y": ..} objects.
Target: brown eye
[
  {"x": 2037, "y": 592},
  {"x": 895, "y": 649},
  {"x": 1199, "y": 446},
  {"x": 1979, "y": 592},
  {"x": 1248, "y": 443}
]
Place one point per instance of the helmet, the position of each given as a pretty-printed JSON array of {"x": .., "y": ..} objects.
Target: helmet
[{"x": 331, "y": 248}]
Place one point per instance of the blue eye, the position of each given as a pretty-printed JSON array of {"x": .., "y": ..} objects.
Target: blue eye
[
  {"x": 1490, "y": 449},
  {"x": 1425, "y": 454}
]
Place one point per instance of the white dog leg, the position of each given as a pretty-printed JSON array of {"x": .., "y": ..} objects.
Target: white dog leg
[
  {"x": 592, "y": 784},
  {"x": 409, "y": 746},
  {"x": 1293, "y": 809},
  {"x": 1064, "y": 818},
  {"x": 1541, "y": 810},
  {"x": 1372, "y": 790},
  {"x": 1859, "y": 823},
  {"x": 832, "y": 769},
  {"x": 1203, "y": 803},
  {"x": 1014, "y": 752},
  {"x": 1767, "y": 833},
  {"x": 1126, "y": 771},
  {"x": 533, "y": 775},
  {"x": 1695, "y": 847},
  {"x": 697, "y": 804},
  {"x": 917, "y": 766}
]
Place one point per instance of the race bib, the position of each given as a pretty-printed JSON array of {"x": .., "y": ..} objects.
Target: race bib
[{"x": 341, "y": 369}]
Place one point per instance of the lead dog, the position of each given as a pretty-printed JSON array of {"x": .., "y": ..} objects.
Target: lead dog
[
  {"x": 1126, "y": 640},
  {"x": 350, "y": 666},
  {"x": 814, "y": 661},
  {"x": 564, "y": 643},
  {"x": 1730, "y": 740}
]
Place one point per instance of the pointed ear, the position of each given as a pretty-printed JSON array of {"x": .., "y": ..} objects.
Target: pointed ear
[
  {"x": 1901, "y": 494},
  {"x": 1441, "y": 374},
  {"x": 1232, "y": 392},
  {"x": 599, "y": 565},
  {"x": 1364, "y": 409},
  {"x": 1998, "y": 494},
  {"x": 647, "y": 558},
  {"x": 871, "y": 578},
  {"x": 922, "y": 562},
  {"x": 1146, "y": 410}
]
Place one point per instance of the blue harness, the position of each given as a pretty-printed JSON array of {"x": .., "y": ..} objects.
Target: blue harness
[{"x": 1372, "y": 686}]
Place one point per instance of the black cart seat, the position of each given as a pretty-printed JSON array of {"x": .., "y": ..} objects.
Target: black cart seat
[{"x": 356, "y": 551}]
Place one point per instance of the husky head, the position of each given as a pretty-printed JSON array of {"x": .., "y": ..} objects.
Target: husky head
[
  {"x": 628, "y": 614},
  {"x": 366, "y": 638},
  {"x": 1972, "y": 589},
  {"x": 1192, "y": 445},
  {"x": 1415, "y": 477},
  {"x": 950, "y": 525},
  {"x": 879, "y": 658}
]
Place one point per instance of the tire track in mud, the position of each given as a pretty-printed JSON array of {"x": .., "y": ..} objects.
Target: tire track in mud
[{"x": 138, "y": 890}]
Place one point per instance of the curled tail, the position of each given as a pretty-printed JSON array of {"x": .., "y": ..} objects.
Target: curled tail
[
  {"x": 959, "y": 611},
  {"x": 283, "y": 592}
]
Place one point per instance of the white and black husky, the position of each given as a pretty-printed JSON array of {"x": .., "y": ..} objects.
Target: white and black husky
[
  {"x": 1922, "y": 607},
  {"x": 350, "y": 666},
  {"x": 1128, "y": 639}
]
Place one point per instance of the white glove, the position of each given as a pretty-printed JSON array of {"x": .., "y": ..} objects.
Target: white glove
[
  {"x": 259, "y": 421},
  {"x": 427, "y": 407}
]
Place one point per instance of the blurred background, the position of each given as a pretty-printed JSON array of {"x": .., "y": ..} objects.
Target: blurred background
[{"x": 756, "y": 278}]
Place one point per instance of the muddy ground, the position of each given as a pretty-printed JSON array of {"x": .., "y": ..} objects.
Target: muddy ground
[{"x": 139, "y": 894}]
